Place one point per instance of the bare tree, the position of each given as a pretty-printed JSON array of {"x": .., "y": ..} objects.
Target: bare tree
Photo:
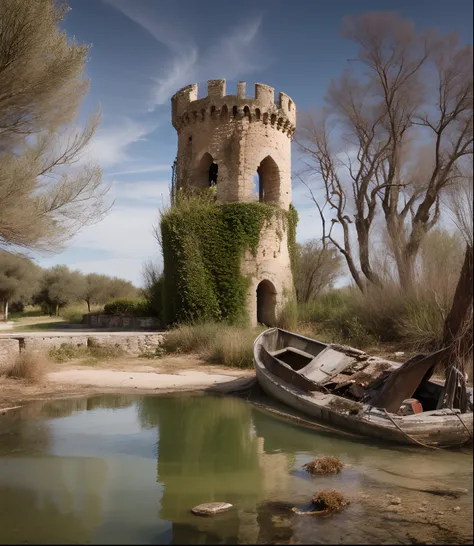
[
  {"x": 423, "y": 83},
  {"x": 45, "y": 194},
  {"x": 411, "y": 101},
  {"x": 317, "y": 267},
  {"x": 325, "y": 161}
]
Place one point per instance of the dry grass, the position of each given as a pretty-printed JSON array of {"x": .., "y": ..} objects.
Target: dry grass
[
  {"x": 215, "y": 343},
  {"x": 188, "y": 338},
  {"x": 31, "y": 366},
  {"x": 68, "y": 351},
  {"x": 330, "y": 500},
  {"x": 324, "y": 465}
]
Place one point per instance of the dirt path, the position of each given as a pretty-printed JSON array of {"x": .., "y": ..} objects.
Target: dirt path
[{"x": 124, "y": 375}]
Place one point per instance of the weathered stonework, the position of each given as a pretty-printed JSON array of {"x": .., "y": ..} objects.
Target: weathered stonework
[
  {"x": 131, "y": 345},
  {"x": 238, "y": 134},
  {"x": 243, "y": 136},
  {"x": 97, "y": 320},
  {"x": 41, "y": 344},
  {"x": 9, "y": 350}
]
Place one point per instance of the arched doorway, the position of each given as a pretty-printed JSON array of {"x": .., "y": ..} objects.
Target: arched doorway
[
  {"x": 266, "y": 303},
  {"x": 267, "y": 181},
  {"x": 206, "y": 172}
]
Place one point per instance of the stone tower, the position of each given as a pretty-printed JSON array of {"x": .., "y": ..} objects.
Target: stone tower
[{"x": 243, "y": 146}]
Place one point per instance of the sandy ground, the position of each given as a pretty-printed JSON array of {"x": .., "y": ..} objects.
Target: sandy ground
[{"x": 124, "y": 375}]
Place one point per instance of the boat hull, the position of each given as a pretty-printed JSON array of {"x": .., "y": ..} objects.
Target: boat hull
[{"x": 436, "y": 428}]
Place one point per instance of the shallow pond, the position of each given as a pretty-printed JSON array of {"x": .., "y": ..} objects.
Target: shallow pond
[{"x": 128, "y": 469}]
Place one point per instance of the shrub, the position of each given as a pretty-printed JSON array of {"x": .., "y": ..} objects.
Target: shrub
[
  {"x": 190, "y": 338},
  {"x": 121, "y": 307},
  {"x": 30, "y": 366},
  {"x": 233, "y": 347},
  {"x": 218, "y": 343},
  {"x": 74, "y": 313},
  {"x": 288, "y": 317}
]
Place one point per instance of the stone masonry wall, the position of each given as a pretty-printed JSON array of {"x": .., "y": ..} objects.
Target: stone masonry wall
[
  {"x": 271, "y": 263},
  {"x": 239, "y": 133},
  {"x": 9, "y": 349},
  {"x": 132, "y": 345},
  {"x": 97, "y": 320},
  {"x": 242, "y": 134}
]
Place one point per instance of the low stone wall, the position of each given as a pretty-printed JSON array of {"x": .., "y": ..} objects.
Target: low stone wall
[
  {"x": 96, "y": 320},
  {"x": 9, "y": 349},
  {"x": 48, "y": 342},
  {"x": 133, "y": 344}
]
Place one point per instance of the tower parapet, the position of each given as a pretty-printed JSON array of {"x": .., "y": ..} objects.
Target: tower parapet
[
  {"x": 241, "y": 146},
  {"x": 188, "y": 109}
]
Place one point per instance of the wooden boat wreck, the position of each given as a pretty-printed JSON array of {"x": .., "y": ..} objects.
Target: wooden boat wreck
[{"x": 370, "y": 396}]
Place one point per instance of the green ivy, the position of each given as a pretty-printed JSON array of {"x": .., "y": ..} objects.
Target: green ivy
[
  {"x": 292, "y": 224},
  {"x": 203, "y": 245}
]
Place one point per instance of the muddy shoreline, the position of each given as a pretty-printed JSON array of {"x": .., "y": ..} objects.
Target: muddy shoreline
[{"x": 177, "y": 374}]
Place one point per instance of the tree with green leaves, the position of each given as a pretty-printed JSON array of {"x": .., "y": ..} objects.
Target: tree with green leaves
[
  {"x": 60, "y": 286},
  {"x": 100, "y": 289},
  {"x": 18, "y": 279},
  {"x": 95, "y": 289}
]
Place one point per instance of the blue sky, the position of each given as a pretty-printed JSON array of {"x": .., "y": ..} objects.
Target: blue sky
[{"x": 145, "y": 50}]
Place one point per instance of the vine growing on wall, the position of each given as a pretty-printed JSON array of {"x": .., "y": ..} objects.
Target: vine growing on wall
[
  {"x": 292, "y": 216},
  {"x": 203, "y": 246}
]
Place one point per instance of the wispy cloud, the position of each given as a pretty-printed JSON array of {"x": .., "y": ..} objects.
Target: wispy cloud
[
  {"x": 231, "y": 56},
  {"x": 109, "y": 145},
  {"x": 159, "y": 167},
  {"x": 151, "y": 192}
]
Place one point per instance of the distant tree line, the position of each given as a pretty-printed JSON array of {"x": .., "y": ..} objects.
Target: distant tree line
[{"x": 22, "y": 282}]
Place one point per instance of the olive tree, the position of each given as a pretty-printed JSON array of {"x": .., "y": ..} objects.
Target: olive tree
[
  {"x": 100, "y": 289},
  {"x": 48, "y": 191},
  {"x": 59, "y": 286},
  {"x": 18, "y": 279}
]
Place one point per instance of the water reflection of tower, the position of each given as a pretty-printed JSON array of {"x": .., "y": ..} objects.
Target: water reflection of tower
[{"x": 206, "y": 452}]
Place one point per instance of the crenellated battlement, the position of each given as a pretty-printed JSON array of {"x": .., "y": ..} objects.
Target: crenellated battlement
[{"x": 217, "y": 105}]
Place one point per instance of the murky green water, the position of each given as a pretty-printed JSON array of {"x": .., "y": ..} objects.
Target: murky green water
[{"x": 128, "y": 469}]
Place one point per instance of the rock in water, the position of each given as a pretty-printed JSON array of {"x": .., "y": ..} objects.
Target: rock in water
[{"x": 211, "y": 508}]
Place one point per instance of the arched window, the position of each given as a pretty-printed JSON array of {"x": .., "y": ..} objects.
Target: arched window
[
  {"x": 247, "y": 113},
  {"x": 257, "y": 114},
  {"x": 206, "y": 172},
  {"x": 266, "y": 303},
  {"x": 267, "y": 181}
]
